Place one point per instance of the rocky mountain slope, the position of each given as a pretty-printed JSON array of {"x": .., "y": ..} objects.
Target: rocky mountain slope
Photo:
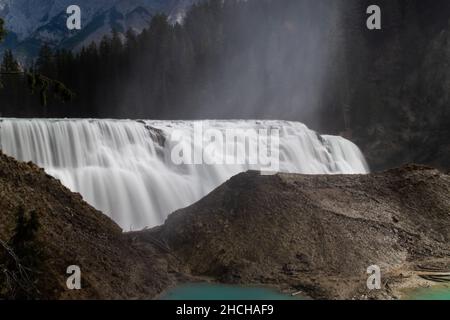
[
  {"x": 73, "y": 233},
  {"x": 32, "y": 23},
  {"x": 315, "y": 234}
]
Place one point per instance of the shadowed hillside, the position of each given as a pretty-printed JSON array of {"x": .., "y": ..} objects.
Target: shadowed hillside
[{"x": 73, "y": 233}]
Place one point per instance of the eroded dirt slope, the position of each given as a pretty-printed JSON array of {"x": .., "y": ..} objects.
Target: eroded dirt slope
[
  {"x": 74, "y": 233},
  {"x": 318, "y": 234}
]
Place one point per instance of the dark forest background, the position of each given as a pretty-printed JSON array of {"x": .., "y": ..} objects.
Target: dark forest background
[{"x": 386, "y": 90}]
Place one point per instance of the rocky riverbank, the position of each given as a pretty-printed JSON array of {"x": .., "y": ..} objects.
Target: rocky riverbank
[
  {"x": 314, "y": 234},
  {"x": 318, "y": 234}
]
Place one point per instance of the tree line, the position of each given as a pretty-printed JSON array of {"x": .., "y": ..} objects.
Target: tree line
[
  {"x": 266, "y": 59},
  {"x": 228, "y": 59}
]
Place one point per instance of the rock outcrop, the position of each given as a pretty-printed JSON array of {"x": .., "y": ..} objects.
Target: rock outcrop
[{"x": 318, "y": 234}]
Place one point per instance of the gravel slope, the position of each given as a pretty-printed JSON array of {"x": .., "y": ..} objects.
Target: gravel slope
[{"x": 318, "y": 234}]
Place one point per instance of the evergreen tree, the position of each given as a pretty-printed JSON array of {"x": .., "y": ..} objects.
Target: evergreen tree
[
  {"x": 45, "y": 63},
  {"x": 11, "y": 79},
  {"x": 2, "y": 30},
  {"x": 35, "y": 79},
  {"x": 9, "y": 63}
]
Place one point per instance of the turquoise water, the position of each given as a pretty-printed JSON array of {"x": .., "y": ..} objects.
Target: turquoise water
[
  {"x": 207, "y": 291},
  {"x": 442, "y": 293}
]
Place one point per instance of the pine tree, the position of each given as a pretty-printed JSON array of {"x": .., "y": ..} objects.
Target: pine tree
[
  {"x": 36, "y": 79},
  {"x": 9, "y": 63},
  {"x": 8, "y": 68},
  {"x": 46, "y": 61},
  {"x": 2, "y": 30}
]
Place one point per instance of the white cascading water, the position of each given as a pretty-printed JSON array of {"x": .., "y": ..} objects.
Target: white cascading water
[{"x": 124, "y": 167}]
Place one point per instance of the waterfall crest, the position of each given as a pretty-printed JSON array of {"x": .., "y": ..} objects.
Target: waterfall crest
[{"x": 124, "y": 167}]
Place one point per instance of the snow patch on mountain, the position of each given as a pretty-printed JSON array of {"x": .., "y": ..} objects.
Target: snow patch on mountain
[{"x": 30, "y": 23}]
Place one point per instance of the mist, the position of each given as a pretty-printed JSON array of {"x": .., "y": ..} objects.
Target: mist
[
  {"x": 233, "y": 59},
  {"x": 266, "y": 60}
]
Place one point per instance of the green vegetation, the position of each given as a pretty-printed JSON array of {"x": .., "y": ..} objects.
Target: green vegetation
[
  {"x": 225, "y": 59},
  {"x": 14, "y": 77},
  {"x": 21, "y": 259}
]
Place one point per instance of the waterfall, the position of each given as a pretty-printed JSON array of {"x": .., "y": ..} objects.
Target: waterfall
[{"x": 124, "y": 167}]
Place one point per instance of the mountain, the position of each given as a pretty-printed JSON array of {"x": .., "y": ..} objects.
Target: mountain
[{"x": 32, "y": 23}]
